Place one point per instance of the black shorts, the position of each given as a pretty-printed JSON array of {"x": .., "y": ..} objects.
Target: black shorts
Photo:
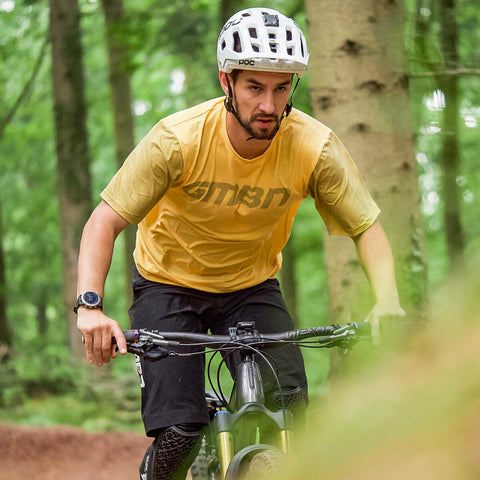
[{"x": 174, "y": 388}]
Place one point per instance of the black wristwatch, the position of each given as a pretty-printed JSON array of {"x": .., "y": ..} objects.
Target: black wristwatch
[{"x": 88, "y": 300}]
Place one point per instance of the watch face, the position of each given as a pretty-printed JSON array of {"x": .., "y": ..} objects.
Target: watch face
[{"x": 91, "y": 298}]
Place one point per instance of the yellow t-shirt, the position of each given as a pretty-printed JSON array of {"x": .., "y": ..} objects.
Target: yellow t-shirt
[{"x": 211, "y": 220}]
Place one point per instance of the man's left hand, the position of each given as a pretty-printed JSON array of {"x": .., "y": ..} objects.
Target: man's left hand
[{"x": 381, "y": 313}]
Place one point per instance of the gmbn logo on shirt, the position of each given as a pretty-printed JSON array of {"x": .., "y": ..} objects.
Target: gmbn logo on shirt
[{"x": 220, "y": 193}]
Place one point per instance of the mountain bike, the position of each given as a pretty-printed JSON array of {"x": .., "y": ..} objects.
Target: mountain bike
[{"x": 244, "y": 439}]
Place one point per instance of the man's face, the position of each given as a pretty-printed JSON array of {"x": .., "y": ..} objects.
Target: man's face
[{"x": 260, "y": 99}]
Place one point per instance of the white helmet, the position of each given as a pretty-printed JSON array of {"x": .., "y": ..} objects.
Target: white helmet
[{"x": 262, "y": 39}]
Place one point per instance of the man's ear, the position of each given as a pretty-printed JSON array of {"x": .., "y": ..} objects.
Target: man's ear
[{"x": 222, "y": 76}]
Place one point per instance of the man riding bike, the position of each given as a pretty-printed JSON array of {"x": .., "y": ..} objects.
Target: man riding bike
[{"x": 214, "y": 190}]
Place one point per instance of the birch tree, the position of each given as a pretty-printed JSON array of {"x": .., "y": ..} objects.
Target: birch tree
[{"x": 359, "y": 88}]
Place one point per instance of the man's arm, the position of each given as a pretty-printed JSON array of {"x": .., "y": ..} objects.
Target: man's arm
[
  {"x": 375, "y": 255},
  {"x": 96, "y": 250}
]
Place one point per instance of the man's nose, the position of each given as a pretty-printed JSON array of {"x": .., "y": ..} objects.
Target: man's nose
[{"x": 267, "y": 104}]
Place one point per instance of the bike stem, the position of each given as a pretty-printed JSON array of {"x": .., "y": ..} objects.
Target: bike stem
[{"x": 249, "y": 388}]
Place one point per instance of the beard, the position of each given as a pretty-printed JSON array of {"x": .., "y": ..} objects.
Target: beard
[{"x": 259, "y": 133}]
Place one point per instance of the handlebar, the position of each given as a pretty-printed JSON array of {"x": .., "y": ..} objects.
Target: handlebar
[{"x": 153, "y": 345}]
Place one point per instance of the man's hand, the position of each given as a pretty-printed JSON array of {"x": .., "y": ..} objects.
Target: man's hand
[
  {"x": 98, "y": 331},
  {"x": 381, "y": 313}
]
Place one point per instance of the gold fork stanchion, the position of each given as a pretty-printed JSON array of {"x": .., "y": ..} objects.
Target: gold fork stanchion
[{"x": 225, "y": 451}]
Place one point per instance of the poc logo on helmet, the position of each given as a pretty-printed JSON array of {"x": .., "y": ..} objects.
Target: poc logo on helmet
[{"x": 251, "y": 63}]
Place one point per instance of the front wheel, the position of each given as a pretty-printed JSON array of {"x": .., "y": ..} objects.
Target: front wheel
[{"x": 256, "y": 462}]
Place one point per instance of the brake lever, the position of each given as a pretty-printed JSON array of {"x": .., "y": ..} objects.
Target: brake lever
[{"x": 151, "y": 355}]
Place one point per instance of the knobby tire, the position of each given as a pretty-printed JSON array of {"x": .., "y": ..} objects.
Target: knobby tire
[
  {"x": 263, "y": 466},
  {"x": 257, "y": 462}
]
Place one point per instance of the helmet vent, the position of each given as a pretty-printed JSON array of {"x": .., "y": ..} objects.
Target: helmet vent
[
  {"x": 289, "y": 35},
  {"x": 253, "y": 32},
  {"x": 270, "y": 20},
  {"x": 272, "y": 44},
  {"x": 237, "y": 44}
]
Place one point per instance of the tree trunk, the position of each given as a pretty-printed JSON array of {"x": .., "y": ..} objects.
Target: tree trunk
[
  {"x": 359, "y": 89},
  {"x": 450, "y": 157},
  {"x": 122, "y": 112},
  {"x": 5, "y": 333},
  {"x": 42, "y": 319},
  {"x": 73, "y": 182}
]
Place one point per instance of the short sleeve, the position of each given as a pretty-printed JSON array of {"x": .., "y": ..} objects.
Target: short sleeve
[
  {"x": 341, "y": 196},
  {"x": 147, "y": 173}
]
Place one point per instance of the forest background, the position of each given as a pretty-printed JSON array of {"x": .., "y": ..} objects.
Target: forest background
[{"x": 167, "y": 53}]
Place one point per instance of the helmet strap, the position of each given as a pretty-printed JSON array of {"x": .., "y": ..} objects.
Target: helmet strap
[
  {"x": 289, "y": 106},
  {"x": 228, "y": 102}
]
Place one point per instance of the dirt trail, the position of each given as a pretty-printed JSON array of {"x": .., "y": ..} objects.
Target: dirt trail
[{"x": 68, "y": 453}]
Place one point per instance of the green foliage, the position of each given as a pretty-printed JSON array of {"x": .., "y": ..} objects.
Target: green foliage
[
  {"x": 21, "y": 377},
  {"x": 40, "y": 385},
  {"x": 110, "y": 404}
]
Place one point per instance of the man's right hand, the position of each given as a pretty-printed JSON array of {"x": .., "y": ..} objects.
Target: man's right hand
[{"x": 98, "y": 330}]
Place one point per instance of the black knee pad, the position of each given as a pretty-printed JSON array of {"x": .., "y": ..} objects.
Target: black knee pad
[
  {"x": 171, "y": 453},
  {"x": 295, "y": 400}
]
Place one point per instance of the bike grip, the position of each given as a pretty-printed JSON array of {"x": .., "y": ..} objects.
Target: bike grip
[{"x": 131, "y": 335}]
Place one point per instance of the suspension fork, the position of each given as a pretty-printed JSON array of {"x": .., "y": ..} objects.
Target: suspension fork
[
  {"x": 223, "y": 424},
  {"x": 224, "y": 438},
  {"x": 247, "y": 396}
]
